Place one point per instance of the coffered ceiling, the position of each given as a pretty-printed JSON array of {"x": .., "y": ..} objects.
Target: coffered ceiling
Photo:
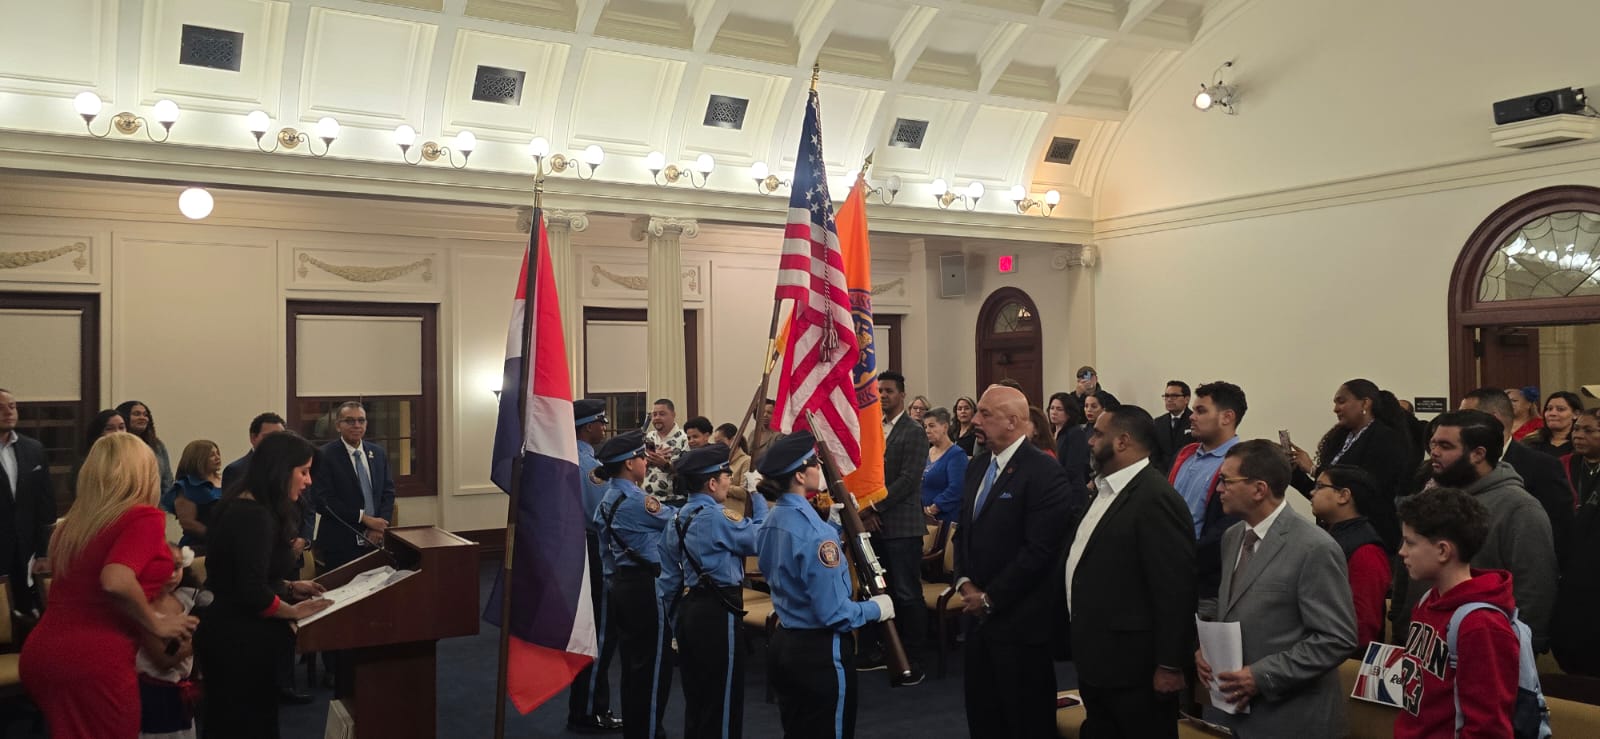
[{"x": 992, "y": 82}]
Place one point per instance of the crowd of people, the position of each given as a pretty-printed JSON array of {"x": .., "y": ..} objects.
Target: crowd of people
[{"x": 1084, "y": 529}]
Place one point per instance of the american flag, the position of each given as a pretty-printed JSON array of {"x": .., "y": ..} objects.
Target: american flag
[{"x": 820, "y": 350}]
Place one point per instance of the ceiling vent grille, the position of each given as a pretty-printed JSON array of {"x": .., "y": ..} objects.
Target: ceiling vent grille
[
  {"x": 1061, "y": 150},
  {"x": 498, "y": 85},
  {"x": 212, "y": 48},
  {"x": 723, "y": 111},
  {"x": 908, "y": 133}
]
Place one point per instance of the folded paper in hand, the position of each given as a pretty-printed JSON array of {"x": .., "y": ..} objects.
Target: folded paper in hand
[{"x": 1223, "y": 648}]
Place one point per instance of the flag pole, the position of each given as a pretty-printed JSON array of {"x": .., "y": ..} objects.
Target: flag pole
[{"x": 529, "y": 306}]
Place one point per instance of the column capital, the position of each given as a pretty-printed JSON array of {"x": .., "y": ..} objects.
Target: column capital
[
  {"x": 664, "y": 227},
  {"x": 575, "y": 220}
]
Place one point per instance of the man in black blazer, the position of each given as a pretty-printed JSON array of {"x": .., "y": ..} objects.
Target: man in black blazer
[
  {"x": 360, "y": 509},
  {"x": 27, "y": 507},
  {"x": 1014, "y": 519},
  {"x": 260, "y": 426},
  {"x": 1128, "y": 581},
  {"x": 1541, "y": 473},
  {"x": 1172, "y": 427},
  {"x": 898, "y": 521}
]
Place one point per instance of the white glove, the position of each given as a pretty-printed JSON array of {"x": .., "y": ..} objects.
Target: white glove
[
  {"x": 885, "y": 607},
  {"x": 751, "y": 480},
  {"x": 835, "y": 515}
]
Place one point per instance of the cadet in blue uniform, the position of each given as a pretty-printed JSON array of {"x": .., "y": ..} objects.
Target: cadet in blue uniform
[
  {"x": 589, "y": 702},
  {"x": 629, "y": 524},
  {"x": 703, "y": 552},
  {"x": 812, "y": 656}
]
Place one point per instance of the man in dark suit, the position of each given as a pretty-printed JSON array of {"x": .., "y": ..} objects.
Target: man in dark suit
[
  {"x": 1014, "y": 519},
  {"x": 898, "y": 522},
  {"x": 27, "y": 507},
  {"x": 1541, "y": 473},
  {"x": 260, "y": 426},
  {"x": 1128, "y": 575},
  {"x": 1172, "y": 427},
  {"x": 350, "y": 484}
]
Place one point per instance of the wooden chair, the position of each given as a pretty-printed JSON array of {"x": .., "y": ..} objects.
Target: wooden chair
[
  {"x": 943, "y": 599},
  {"x": 10, "y": 658}
]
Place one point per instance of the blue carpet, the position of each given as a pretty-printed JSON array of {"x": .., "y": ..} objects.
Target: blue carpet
[{"x": 466, "y": 685}]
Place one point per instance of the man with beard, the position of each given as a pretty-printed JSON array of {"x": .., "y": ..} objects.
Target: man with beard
[
  {"x": 1545, "y": 481},
  {"x": 1465, "y": 453}
]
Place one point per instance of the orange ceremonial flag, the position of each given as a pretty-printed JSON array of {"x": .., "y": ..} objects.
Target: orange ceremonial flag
[{"x": 866, "y": 482}]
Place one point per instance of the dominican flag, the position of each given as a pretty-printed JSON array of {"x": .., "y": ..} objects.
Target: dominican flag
[
  {"x": 552, "y": 618},
  {"x": 820, "y": 350}
]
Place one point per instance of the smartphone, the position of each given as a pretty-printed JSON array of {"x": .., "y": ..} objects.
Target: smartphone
[{"x": 1283, "y": 440}]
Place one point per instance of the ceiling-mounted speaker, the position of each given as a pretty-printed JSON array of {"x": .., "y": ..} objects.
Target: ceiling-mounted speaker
[{"x": 952, "y": 275}]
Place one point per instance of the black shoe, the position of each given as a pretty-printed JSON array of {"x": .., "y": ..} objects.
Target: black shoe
[
  {"x": 327, "y": 680},
  {"x": 290, "y": 696},
  {"x": 871, "y": 662},
  {"x": 600, "y": 723},
  {"x": 905, "y": 681}
]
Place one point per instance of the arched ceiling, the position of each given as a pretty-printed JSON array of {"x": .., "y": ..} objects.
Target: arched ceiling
[{"x": 995, "y": 81}]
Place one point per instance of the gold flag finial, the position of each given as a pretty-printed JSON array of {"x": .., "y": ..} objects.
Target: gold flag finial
[
  {"x": 816, "y": 72},
  {"x": 866, "y": 165}
]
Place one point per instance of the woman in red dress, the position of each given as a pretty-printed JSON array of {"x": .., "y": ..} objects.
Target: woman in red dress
[{"x": 110, "y": 556}]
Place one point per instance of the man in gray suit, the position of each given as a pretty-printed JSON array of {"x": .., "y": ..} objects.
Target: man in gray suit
[
  {"x": 1284, "y": 582},
  {"x": 897, "y": 521}
]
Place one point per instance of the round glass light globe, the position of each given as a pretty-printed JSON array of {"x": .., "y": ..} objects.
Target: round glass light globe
[
  {"x": 466, "y": 141},
  {"x": 1052, "y": 197},
  {"x": 594, "y": 155},
  {"x": 257, "y": 121},
  {"x": 539, "y": 147},
  {"x": 166, "y": 112},
  {"x": 195, "y": 203},
  {"x": 1203, "y": 100},
  {"x": 975, "y": 190},
  {"x": 328, "y": 129},
  {"x": 704, "y": 164},
  {"x": 87, "y": 103},
  {"x": 405, "y": 135},
  {"x": 655, "y": 161},
  {"x": 759, "y": 170},
  {"x": 940, "y": 187},
  {"x": 1018, "y": 193}
]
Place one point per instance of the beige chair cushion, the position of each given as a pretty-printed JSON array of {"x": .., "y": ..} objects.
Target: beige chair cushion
[{"x": 10, "y": 677}]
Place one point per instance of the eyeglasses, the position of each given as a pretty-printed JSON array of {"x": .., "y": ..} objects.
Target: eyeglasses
[
  {"x": 1225, "y": 480},
  {"x": 1323, "y": 485},
  {"x": 1170, "y": 396}
]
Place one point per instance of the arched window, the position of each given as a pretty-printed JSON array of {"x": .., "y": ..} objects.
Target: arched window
[{"x": 1009, "y": 343}]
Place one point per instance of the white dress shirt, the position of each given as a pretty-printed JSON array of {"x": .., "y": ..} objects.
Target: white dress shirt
[
  {"x": 888, "y": 423},
  {"x": 1261, "y": 530},
  {"x": 8, "y": 459},
  {"x": 1108, "y": 487}
]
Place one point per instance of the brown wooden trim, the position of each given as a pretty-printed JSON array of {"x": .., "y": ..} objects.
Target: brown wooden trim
[
  {"x": 895, "y": 322},
  {"x": 691, "y": 349},
  {"x": 424, "y": 480},
  {"x": 1467, "y": 313},
  {"x": 491, "y": 542},
  {"x": 88, "y": 338}
]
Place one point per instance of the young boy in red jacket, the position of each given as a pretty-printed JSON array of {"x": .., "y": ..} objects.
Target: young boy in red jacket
[{"x": 1443, "y": 528}]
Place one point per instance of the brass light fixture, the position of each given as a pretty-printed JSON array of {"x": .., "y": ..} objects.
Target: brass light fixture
[
  {"x": 465, "y": 141},
  {"x": 766, "y": 182},
  {"x": 945, "y": 197},
  {"x": 668, "y": 174},
  {"x": 165, "y": 112},
  {"x": 1019, "y": 195},
  {"x": 890, "y": 186},
  {"x": 327, "y": 129},
  {"x": 539, "y": 149}
]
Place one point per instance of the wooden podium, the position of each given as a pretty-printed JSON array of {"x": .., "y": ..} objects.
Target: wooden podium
[{"x": 388, "y": 674}]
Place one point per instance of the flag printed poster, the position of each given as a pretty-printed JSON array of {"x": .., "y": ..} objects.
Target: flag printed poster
[
  {"x": 552, "y": 631},
  {"x": 1383, "y": 675},
  {"x": 820, "y": 349}
]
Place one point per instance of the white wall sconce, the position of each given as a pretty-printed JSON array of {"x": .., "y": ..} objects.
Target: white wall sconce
[
  {"x": 890, "y": 186},
  {"x": 326, "y": 129},
  {"x": 465, "y": 141},
  {"x": 539, "y": 149},
  {"x": 165, "y": 112},
  {"x": 766, "y": 182},
  {"x": 664, "y": 174},
  {"x": 1019, "y": 195},
  {"x": 195, "y": 203},
  {"x": 1218, "y": 94},
  {"x": 945, "y": 197}
]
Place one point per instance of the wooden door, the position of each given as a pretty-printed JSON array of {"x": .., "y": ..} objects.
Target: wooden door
[
  {"x": 1509, "y": 356},
  {"x": 1009, "y": 343}
]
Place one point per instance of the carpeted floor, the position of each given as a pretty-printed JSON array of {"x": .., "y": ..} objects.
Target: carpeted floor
[{"x": 932, "y": 710}]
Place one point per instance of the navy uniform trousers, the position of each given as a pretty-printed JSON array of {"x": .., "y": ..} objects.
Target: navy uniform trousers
[
  {"x": 591, "y": 690},
  {"x": 813, "y": 671},
  {"x": 711, "y": 662},
  {"x": 646, "y": 655}
]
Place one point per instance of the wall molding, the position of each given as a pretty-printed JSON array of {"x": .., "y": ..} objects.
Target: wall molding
[
  {"x": 1494, "y": 169},
  {"x": 21, "y": 259},
  {"x": 355, "y": 273}
]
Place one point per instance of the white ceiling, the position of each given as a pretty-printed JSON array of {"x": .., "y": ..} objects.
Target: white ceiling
[{"x": 995, "y": 79}]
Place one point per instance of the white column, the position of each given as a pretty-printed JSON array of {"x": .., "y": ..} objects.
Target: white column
[
  {"x": 665, "y": 348},
  {"x": 560, "y": 225}
]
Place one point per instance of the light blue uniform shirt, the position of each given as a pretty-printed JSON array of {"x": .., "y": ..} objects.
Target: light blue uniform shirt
[
  {"x": 803, "y": 561},
  {"x": 717, "y": 542},
  {"x": 1194, "y": 480},
  {"x": 635, "y": 526},
  {"x": 592, "y": 491}
]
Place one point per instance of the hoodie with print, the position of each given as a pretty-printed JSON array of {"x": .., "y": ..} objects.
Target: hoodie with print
[{"x": 1487, "y": 661}]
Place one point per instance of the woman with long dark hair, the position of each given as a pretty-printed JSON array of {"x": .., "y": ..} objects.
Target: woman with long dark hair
[
  {"x": 965, "y": 428},
  {"x": 1369, "y": 432},
  {"x": 1555, "y": 439},
  {"x": 629, "y": 524},
  {"x": 110, "y": 557},
  {"x": 1072, "y": 439},
  {"x": 142, "y": 423},
  {"x": 248, "y": 569},
  {"x": 702, "y": 571},
  {"x": 1342, "y": 495},
  {"x": 738, "y": 465}
]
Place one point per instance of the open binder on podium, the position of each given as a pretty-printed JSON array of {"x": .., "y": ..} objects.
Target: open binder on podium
[{"x": 390, "y": 627}]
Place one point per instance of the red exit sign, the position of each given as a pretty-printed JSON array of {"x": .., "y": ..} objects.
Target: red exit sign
[{"x": 1007, "y": 264}]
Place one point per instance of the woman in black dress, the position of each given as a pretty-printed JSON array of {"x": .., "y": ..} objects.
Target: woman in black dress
[
  {"x": 1369, "y": 431},
  {"x": 243, "y": 633},
  {"x": 1555, "y": 439}
]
